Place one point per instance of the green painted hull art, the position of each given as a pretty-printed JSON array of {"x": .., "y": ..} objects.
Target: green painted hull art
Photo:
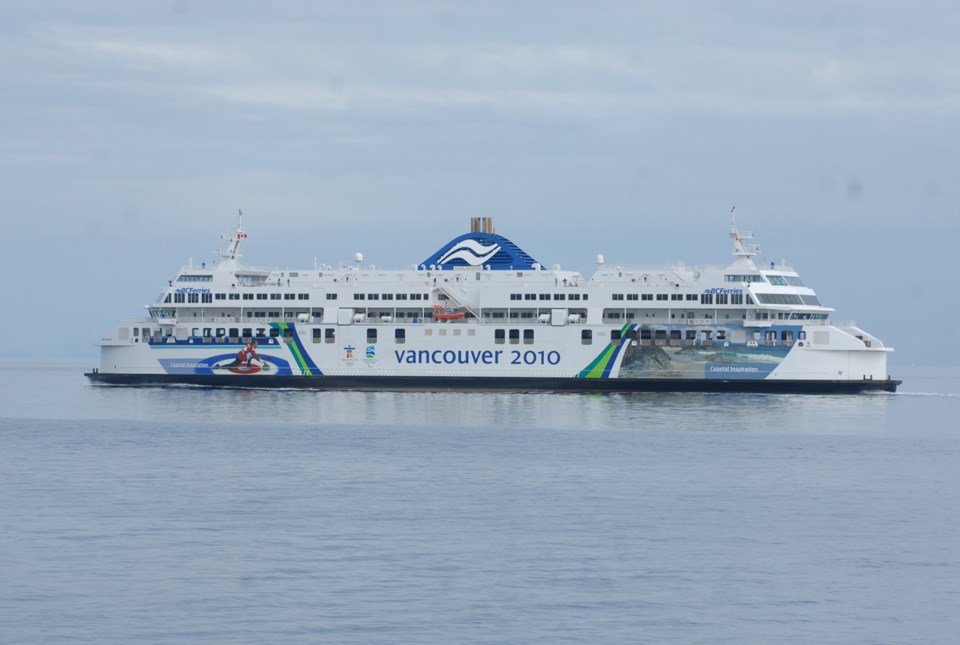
[
  {"x": 602, "y": 364},
  {"x": 306, "y": 367}
]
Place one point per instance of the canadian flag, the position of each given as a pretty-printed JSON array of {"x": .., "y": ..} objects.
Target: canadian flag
[{"x": 241, "y": 236}]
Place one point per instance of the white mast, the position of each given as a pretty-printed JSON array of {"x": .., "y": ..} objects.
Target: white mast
[
  {"x": 740, "y": 249},
  {"x": 232, "y": 252}
]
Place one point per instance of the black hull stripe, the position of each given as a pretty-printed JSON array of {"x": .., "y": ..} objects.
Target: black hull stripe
[{"x": 507, "y": 384}]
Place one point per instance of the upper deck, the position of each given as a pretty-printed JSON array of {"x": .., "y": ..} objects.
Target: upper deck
[{"x": 489, "y": 279}]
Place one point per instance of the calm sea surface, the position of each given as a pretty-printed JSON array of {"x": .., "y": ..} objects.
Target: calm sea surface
[{"x": 178, "y": 515}]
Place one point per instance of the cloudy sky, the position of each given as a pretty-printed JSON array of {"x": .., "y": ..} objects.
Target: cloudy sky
[{"x": 131, "y": 132}]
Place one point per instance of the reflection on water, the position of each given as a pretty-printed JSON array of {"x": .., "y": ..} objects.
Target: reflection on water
[{"x": 57, "y": 390}]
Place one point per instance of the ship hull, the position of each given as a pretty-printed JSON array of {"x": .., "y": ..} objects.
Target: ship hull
[{"x": 477, "y": 358}]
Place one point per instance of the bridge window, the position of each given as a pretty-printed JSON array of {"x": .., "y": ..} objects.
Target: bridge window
[
  {"x": 779, "y": 299},
  {"x": 743, "y": 278}
]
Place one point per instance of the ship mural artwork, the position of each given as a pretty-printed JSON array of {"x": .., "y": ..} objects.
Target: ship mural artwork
[{"x": 482, "y": 314}]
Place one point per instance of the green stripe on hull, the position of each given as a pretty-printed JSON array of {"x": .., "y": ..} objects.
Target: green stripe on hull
[
  {"x": 603, "y": 363},
  {"x": 294, "y": 348}
]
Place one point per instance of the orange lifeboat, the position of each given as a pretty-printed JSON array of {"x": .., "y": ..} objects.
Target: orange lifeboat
[{"x": 440, "y": 313}]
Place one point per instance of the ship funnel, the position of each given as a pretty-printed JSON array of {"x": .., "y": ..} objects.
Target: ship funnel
[{"x": 481, "y": 225}]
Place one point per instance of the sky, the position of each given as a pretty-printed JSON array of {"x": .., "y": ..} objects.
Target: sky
[{"x": 132, "y": 132}]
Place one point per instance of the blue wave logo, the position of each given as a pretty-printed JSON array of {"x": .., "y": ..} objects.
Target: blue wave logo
[{"x": 470, "y": 251}]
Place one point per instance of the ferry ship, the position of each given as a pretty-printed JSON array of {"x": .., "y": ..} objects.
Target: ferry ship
[{"x": 482, "y": 314}]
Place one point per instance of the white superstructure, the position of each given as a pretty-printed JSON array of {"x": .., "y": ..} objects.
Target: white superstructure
[{"x": 481, "y": 313}]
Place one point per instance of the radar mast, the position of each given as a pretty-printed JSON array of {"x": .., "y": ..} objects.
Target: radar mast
[
  {"x": 740, "y": 249},
  {"x": 232, "y": 252}
]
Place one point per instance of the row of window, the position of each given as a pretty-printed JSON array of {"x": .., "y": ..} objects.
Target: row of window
[
  {"x": 785, "y": 280},
  {"x": 190, "y": 297},
  {"x": 721, "y": 299},
  {"x": 500, "y": 336},
  {"x": 547, "y": 296},
  {"x": 705, "y": 298},
  {"x": 387, "y": 296},
  {"x": 744, "y": 278},
  {"x": 329, "y": 334},
  {"x": 787, "y": 299},
  {"x": 210, "y": 297},
  {"x": 617, "y": 335},
  {"x": 659, "y": 296},
  {"x": 779, "y": 280}
]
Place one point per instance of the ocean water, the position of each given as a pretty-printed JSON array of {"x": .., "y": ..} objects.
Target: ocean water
[{"x": 173, "y": 515}]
